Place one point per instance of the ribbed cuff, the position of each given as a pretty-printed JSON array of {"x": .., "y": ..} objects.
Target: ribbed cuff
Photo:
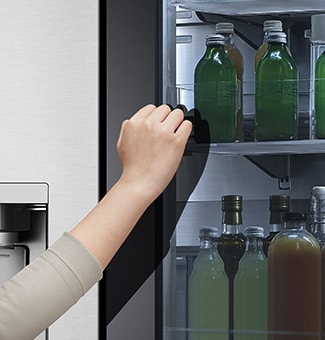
[{"x": 77, "y": 266}]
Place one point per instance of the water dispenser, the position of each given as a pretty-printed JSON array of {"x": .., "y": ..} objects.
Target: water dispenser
[{"x": 23, "y": 227}]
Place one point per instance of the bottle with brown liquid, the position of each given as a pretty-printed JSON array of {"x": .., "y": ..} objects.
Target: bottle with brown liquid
[
  {"x": 278, "y": 206},
  {"x": 294, "y": 282},
  {"x": 231, "y": 245},
  {"x": 323, "y": 294},
  {"x": 236, "y": 57}
]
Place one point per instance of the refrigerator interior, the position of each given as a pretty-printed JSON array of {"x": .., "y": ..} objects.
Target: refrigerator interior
[{"x": 254, "y": 170}]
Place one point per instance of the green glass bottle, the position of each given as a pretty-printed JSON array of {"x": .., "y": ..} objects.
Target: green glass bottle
[
  {"x": 250, "y": 289},
  {"x": 276, "y": 92},
  {"x": 231, "y": 245},
  {"x": 208, "y": 292},
  {"x": 215, "y": 96},
  {"x": 319, "y": 97}
]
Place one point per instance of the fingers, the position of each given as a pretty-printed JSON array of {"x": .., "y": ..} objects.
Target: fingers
[
  {"x": 160, "y": 113},
  {"x": 172, "y": 119},
  {"x": 185, "y": 129},
  {"x": 155, "y": 114},
  {"x": 144, "y": 112}
]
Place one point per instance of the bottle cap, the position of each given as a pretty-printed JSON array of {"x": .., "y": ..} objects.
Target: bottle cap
[
  {"x": 212, "y": 232},
  {"x": 279, "y": 202},
  {"x": 294, "y": 216},
  {"x": 254, "y": 231},
  {"x": 272, "y": 25},
  {"x": 212, "y": 39},
  {"x": 276, "y": 37},
  {"x": 224, "y": 27},
  {"x": 232, "y": 202},
  {"x": 318, "y": 192},
  {"x": 318, "y": 28}
]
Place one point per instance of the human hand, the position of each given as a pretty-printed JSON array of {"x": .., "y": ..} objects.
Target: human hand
[{"x": 150, "y": 147}]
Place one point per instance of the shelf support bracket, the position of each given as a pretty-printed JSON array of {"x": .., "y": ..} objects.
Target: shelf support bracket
[{"x": 276, "y": 166}]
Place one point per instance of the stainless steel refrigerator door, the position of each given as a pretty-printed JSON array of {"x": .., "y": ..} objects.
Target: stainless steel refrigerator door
[{"x": 49, "y": 118}]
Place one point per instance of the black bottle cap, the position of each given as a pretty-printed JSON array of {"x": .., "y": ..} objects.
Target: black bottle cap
[
  {"x": 279, "y": 203},
  {"x": 294, "y": 216},
  {"x": 232, "y": 203}
]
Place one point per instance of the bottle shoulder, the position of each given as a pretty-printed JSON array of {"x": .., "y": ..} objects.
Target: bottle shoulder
[
  {"x": 275, "y": 56},
  {"x": 320, "y": 66},
  {"x": 252, "y": 263},
  {"x": 215, "y": 58},
  {"x": 208, "y": 263},
  {"x": 295, "y": 240}
]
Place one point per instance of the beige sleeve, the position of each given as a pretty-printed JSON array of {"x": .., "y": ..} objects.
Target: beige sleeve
[{"x": 43, "y": 291}]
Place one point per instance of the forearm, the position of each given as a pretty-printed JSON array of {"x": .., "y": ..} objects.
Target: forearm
[
  {"x": 150, "y": 148},
  {"x": 38, "y": 295},
  {"x": 106, "y": 227}
]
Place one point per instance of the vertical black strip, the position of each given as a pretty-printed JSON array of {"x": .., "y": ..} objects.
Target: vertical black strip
[
  {"x": 102, "y": 185},
  {"x": 159, "y": 216},
  {"x": 127, "y": 82},
  {"x": 102, "y": 99},
  {"x": 159, "y": 52}
]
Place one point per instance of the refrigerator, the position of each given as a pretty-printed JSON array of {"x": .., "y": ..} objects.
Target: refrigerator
[
  {"x": 50, "y": 130},
  {"x": 148, "y": 55}
]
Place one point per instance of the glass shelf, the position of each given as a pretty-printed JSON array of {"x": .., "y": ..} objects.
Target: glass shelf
[
  {"x": 297, "y": 147},
  {"x": 253, "y": 7}
]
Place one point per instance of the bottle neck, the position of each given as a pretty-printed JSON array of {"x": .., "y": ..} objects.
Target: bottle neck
[
  {"x": 275, "y": 228},
  {"x": 231, "y": 222},
  {"x": 229, "y": 38},
  {"x": 276, "y": 220},
  {"x": 231, "y": 229},
  {"x": 213, "y": 49},
  {"x": 295, "y": 224},
  {"x": 277, "y": 45},
  {"x": 208, "y": 243},
  {"x": 254, "y": 244}
]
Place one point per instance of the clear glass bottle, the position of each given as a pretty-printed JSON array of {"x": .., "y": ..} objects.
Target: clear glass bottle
[
  {"x": 215, "y": 85},
  {"x": 231, "y": 244},
  {"x": 278, "y": 206},
  {"x": 294, "y": 282},
  {"x": 268, "y": 26},
  {"x": 208, "y": 291},
  {"x": 276, "y": 92},
  {"x": 250, "y": 289},
  {"x": 236, "y": 57},
  {"x": 317, "y": 213}
]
